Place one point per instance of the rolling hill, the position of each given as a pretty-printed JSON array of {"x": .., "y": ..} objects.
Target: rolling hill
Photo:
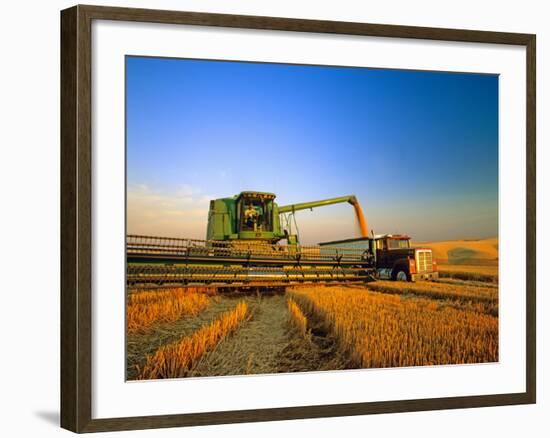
[{"x": 467, "y": 252}]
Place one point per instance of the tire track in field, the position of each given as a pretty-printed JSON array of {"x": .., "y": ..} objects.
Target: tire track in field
[{"x": 255, "y": 347}]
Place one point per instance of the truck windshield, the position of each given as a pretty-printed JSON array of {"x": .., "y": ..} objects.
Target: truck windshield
[{"x": 398, "y": 243}]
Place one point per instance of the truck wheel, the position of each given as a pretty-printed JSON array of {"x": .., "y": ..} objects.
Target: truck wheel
[{"x": 400, "y": 274}]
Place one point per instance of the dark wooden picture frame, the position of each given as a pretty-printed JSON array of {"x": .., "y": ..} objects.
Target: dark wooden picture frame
[{"x": 76, "y": 218}]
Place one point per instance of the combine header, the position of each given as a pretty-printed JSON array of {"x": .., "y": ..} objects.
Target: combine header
[{"x": 243, "y": 248}]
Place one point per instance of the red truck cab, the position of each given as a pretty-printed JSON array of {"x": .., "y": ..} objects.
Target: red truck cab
[{"x": 397, "y": 260}]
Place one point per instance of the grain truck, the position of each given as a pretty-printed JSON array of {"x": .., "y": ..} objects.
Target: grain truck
[{"x": 391, "y": 255}]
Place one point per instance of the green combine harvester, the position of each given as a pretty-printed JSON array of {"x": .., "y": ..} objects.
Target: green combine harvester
[
  {"x": 255, "y": 216},
  {"x": 250, "y": 240}
]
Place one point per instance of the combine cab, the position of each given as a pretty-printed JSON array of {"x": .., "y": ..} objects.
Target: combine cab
[{"x": 392, "y": 256}]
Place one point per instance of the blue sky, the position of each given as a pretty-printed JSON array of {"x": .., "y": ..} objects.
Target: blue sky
[{"x": 419, "y": 149}]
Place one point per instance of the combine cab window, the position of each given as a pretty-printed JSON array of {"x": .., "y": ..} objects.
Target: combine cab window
[
  {"x": 398, "y": 243},
  {"x": 255, "y": 214}
]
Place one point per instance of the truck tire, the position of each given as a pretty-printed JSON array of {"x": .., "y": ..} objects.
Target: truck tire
[{"x": 401, "y": 273}]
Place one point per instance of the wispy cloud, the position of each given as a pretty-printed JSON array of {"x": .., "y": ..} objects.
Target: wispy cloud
[{"x": 182, "y": 212}]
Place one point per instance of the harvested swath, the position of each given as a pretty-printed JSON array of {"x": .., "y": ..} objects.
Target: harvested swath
[
  {"x": 177, "y": 359},
  {"x": 381, "y": 330},
  {"x": 476, "y": 269},
  {"x": 456, "y": 281},
  {"x": 474, "y": 298},
  {"x": 144, "y": 343},
  {"x": 469, "y": 276},
  {"x": 147, "y": 308},
  {"x": 266, "y": 344},
  {"x": 256, "y": 346},
  {"x": 437, "y": 290},
  {"x": 296, "y": 317},
  {"x": 470, "y": 273}
]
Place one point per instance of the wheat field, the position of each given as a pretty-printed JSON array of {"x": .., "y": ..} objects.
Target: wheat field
[
  {"x": 381, "y": 330},
  {"x": 179, "y": 332},
  {"x": 177, "y": 359},
  {"x": 144, "y": 309},
  {"x": 476, "y": 298}
]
